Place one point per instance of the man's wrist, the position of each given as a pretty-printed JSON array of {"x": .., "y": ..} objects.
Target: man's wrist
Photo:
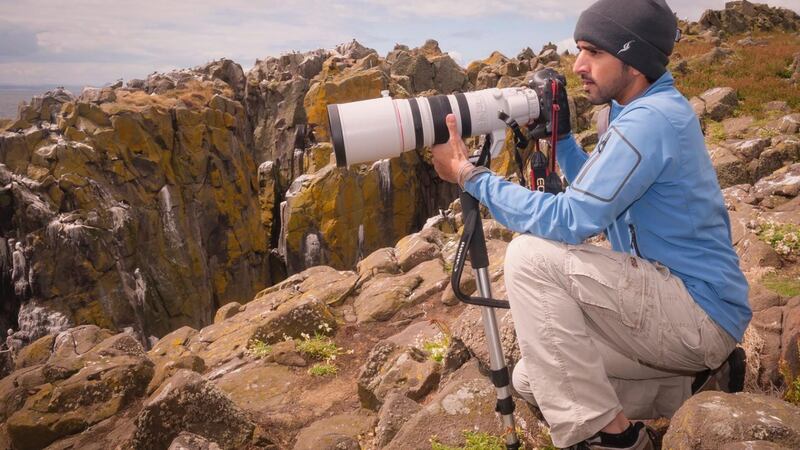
[{"x": 470, "y": 172}]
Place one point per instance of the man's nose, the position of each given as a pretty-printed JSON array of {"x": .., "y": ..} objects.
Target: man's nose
[{"x": 580, "y": 64}]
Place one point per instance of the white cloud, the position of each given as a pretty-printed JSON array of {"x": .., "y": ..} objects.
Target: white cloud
[
  {"x": 96, "y": 41},
  {"x": 567, "y": 44}
]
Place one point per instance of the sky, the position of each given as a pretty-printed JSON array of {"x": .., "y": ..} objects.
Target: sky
[{"x": 95, "y": 42}]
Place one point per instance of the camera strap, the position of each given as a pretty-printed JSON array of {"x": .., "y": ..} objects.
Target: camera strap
[{"x": 552, "y": 183}]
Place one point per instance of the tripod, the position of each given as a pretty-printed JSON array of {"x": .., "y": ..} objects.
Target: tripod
[{"x": 474, "y": 242}]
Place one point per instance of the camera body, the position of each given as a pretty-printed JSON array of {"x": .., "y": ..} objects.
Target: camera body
[{"x": 379, "y": 128}]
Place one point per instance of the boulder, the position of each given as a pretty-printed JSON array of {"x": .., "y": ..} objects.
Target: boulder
[
  {"x": 790, "y": 124},
  {"x": 383, "y": 260},
  {"x": 449, "y": 77},
  {"x": 398, "y": 364},
  {"x": 736, "y": 126},
  {"x": 396, "y": 410},
  {"x": 414, "y": 249},
  {"x": 717, "y": 420},
  {"x": 731, "y": 169},
  {"x": 191, "y": 441},
  {"x": 82, "y": 392},
  {"x": 383, "y": 296},
  {"x": 187, "y": 402},
  {"x": 36, "y": 353},
  {"x": 467, "y": 402},
  {"x": 339, "y": 432},
  {"x": 227, "y": 311},
  {"x": 720, "y": 102}
]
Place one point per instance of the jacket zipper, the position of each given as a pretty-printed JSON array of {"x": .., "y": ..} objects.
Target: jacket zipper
[
  {"x": 593, "y": 159},
  {"x": 634, "y": 243}
]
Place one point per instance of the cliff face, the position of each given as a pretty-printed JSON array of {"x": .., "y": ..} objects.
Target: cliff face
[{"x": 134, "y": 209}]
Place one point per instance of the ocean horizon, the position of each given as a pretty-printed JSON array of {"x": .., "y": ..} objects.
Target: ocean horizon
[{"x": 11, "y": 96}]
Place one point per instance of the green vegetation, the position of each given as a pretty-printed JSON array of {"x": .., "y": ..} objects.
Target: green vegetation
[
  {"x": 715, "y": 132},
  {"x": 258, "y": 349},
  {"x": 318, "y": 347},
  {"x": 436, "y": 347},
  {"x": 783, "y": 237},
  {"x": 792, "y": 381},
  {"x": 758, "y": 72},
  {"x": 785, "y": 286},
  {"x": 323, "y": 369},
  {"x": 475, "y": 440}
]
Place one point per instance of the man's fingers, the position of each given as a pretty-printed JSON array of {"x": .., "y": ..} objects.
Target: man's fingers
[{"x": 450, "y": 120}]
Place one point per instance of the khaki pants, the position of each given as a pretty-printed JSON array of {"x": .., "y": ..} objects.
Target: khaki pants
[{"x": 602, "y": 332}]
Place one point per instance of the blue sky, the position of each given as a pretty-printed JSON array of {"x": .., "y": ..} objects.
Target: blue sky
[{"x": 98, "y": 41}]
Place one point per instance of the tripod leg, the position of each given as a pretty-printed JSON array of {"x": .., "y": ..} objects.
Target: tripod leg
[{"x": 499, "y": 371}]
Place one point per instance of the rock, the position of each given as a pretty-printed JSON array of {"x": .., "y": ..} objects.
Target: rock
[
  {"x": 449, "y": 77},
  {"x": 467, "y": 402},
  {"x": 36, "y": 353},
  {"x": 414, "y": 249},
  {"x": 749, "y": 149},
  {"x": 380, "y": 261},
  {"x": 191, "y": 441},
  {"x": 717, "y": 419},
  {"x": 790, "y": 335},
  {"x": 790, "y": 124},
  {"x": 258, "y": 388},
  {"x": 227, "y": 311},
  {"x": 434, "y": 280},
  {"x": 114, "y": 201},
  {"x": 784, "y": 183},
  {"x": 187, "y": 402},
  {"x": 229, "y": 72},
  {"x": 731, "y": 169},
  {"x": 135, "y": 83},
  {"x": 382, "y": 297},
  {"x": 337, "y": 205},
  {"x": 736, "y": 126},
  {"x": 756, "y": 254},
  {"x": 396, "y": 410},
  {"x": 743, "y": 16},
  {"x": 78, "y": 340},
  {"x": 354, "y": 50},
  {"x": 82, "y": 392},
  {"x": 285, "y": 353},
  {"x": 720, "y": 102},
  {"x": 698, "y": 105},
  {"x": 268, "y": 318},
  {"x": 764, "y": 340},
  {"x": 398, "y": 364},
  {"x": 343, "y": 431},
  {"x": 168, "y": 366}
]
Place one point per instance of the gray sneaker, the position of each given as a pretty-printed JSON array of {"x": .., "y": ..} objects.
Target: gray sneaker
[{"x": 645, "y": 441}]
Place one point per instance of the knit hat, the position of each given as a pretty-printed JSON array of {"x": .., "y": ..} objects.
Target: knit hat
[{"x": 641, "y": 33}]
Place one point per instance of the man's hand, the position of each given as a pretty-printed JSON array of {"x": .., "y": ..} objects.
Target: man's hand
[{"x": 450, "y": 158}]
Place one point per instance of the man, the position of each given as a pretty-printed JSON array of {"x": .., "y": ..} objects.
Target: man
[{"x": 607, "y": 335}]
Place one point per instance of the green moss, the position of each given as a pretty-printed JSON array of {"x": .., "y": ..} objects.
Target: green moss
[
  {"x": 782, "y": 285},
  {"x": 258, "y": 349},
  {"x": 318, "y": 347},
  {"x": 783, "y": 237},
  {"x": 792, "y": 381},
  {"x": 715, "y": 132},
  {"x": 475, "y": 440},
  {"x": 323, "y": 369},
  {"x": 436, "y": 347}
]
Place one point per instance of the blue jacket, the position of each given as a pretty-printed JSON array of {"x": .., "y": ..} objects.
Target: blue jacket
[{"x": 650, "y": 186}]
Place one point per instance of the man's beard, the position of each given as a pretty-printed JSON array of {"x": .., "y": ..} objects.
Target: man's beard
[{"x": 604, "y": 94}]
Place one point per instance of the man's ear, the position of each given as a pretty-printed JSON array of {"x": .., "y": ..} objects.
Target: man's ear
[{"x": 633, "y": 72}]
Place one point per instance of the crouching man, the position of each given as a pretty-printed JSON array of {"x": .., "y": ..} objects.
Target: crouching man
[{"x": 612, "y": 335}]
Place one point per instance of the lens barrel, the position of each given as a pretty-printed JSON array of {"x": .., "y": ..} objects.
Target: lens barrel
[{"x": 374, "y": 129}]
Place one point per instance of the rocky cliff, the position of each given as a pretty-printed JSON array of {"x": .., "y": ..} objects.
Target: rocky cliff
[{"x": 293, "y": 304}]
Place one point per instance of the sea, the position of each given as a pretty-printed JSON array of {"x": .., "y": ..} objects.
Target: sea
[{"x": 11, "y": 96}]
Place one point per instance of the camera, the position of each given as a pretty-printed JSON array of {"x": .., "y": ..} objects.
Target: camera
[{"x": 384, "y": 127}]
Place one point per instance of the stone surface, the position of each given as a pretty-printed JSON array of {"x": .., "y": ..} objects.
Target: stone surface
[
  {"x": 396, "y": 410},
  {"x": 343, "y": 431},
  {"x": 81, "y": 392},
  {"x": 720, "y": 102},
  {"x": 187, "y": 402},
  {"x": 716, "y": 419},
  {"x": 382, "y": 297}
]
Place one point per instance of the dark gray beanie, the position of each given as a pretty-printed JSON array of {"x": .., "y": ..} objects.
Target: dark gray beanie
[{"x": 639, "y": 32}]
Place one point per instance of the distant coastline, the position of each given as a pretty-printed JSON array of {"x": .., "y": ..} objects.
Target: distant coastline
[{"x": 11, "y": 96}]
